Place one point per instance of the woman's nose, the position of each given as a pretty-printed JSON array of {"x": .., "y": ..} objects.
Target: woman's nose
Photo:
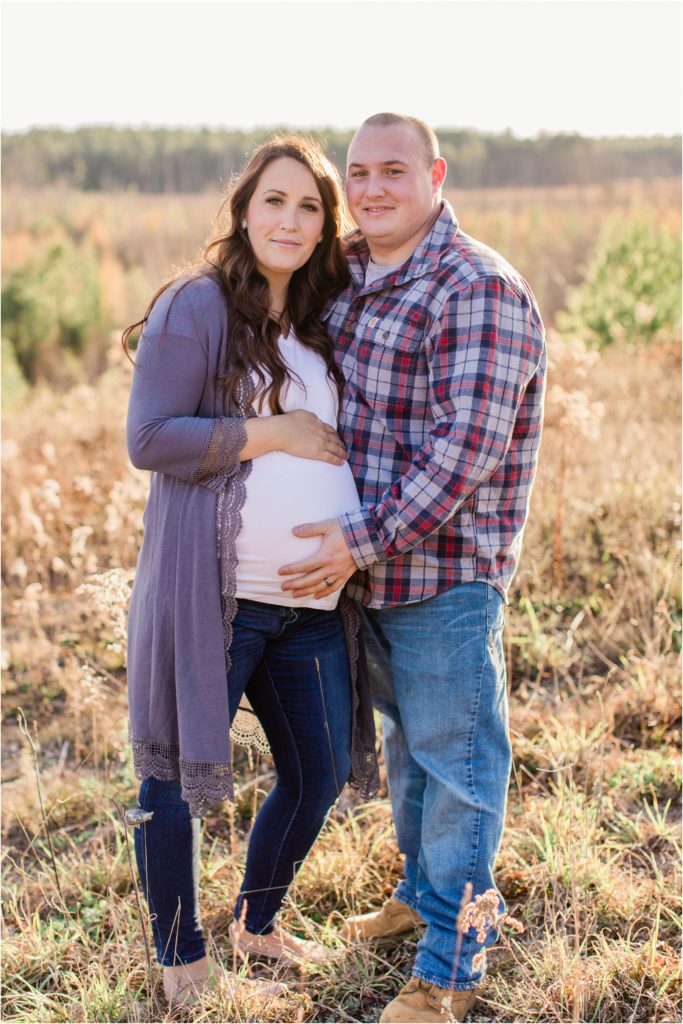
[{"x": 288, "y": 220}]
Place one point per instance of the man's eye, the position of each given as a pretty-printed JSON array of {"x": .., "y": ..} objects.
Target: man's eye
[{"x": 358, "y": 174}]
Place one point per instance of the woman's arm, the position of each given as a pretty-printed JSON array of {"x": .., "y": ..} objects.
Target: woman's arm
[
  {"x": 163, "y": 431},
  {"x": 165, "y": 435}
]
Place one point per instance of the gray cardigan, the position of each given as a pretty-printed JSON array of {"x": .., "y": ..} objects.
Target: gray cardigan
[{"x": 184, "y": 429}]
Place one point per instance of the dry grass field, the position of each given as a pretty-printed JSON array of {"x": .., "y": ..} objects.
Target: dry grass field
[{"x": 590, "y": 862}]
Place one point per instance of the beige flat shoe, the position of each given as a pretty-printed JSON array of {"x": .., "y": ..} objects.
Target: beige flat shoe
[
  {"x": 278, "y": 945},
  {"x": 182, "y": 989}
]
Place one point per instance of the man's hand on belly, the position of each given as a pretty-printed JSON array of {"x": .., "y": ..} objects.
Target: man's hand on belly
[{"x": 332, "y": 562}]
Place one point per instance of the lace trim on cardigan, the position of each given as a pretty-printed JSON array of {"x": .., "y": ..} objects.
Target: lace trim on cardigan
[
  {"x": 226, "y": 439},
  {"x": 203, "y": 783},
  {"x": 246, "y": 730}
]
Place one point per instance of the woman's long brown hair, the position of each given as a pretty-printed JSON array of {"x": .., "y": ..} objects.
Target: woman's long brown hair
[{"x": 229, "y": 260}]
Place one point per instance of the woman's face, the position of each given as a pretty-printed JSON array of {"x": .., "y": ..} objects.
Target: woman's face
[{"x": 285, "y": 219}]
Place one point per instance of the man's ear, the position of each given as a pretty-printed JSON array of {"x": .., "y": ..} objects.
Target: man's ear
[{"x": 438, "y": 173}]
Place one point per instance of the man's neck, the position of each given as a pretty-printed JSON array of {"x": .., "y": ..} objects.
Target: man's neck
[{"x": 387, "y": 257}]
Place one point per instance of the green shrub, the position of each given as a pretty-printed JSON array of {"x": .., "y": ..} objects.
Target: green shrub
[
  {"x": 631, "y": 289},
  {"x": 51, "y": 310},
  {"x": 14, "y": 386}
]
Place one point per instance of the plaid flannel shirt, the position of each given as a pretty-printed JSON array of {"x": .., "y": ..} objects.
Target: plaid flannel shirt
[{"x": 445, "y": 363}]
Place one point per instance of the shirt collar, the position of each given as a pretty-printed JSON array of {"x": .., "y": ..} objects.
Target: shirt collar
[{"x": 424, "y": 260}]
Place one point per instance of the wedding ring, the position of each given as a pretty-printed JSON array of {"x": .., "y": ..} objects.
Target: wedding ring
[{"x": 328, "y": 583}]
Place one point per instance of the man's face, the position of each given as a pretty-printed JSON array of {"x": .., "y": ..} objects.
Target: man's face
[{"x": 392, "y": 191}]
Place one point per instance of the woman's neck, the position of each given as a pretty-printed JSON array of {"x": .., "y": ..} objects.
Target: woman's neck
[
  {"x": 278, "y": 287},
  {"x": 278, "y": 309}
]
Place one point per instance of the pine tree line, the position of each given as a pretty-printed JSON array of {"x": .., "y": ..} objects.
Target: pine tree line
[{"x": 182, "y": 160}]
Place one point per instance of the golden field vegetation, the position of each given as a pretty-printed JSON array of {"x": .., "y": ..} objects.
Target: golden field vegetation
[
  {"x": 590, "y": 862},
  {"x": 78, "y": 266}
]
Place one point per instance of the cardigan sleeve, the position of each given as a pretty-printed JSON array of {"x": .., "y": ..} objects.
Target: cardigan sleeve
[{"x": 164, "y": 432}]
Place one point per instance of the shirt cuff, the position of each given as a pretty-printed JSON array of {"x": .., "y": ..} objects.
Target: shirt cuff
[{"x": 362, "y": 537}]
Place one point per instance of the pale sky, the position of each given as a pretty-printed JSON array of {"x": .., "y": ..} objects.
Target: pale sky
[{"x": 599, "y": 67}]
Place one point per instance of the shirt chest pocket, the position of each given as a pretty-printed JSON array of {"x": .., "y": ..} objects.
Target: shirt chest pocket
[{"x": 394, "y": 333}]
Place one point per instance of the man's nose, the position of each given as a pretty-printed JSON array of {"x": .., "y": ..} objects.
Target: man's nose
[{"x": 375, "y": 185}]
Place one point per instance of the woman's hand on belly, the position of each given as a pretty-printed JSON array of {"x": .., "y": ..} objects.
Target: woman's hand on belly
[
  {"x": 299, "y": 433},
  {"x": 303, "y": 434}
]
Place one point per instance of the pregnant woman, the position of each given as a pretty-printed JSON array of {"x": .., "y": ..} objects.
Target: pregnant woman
[{"x": 233, "y": 408}]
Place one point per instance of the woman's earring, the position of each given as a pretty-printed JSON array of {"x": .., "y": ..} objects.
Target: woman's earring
[
  {"x": 243, "y": 225},
  {"x": 319, "y": 240}
]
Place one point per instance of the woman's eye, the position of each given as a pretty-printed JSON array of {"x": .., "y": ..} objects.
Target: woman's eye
[
  {"x": 311, "y": 207},
  {"x": 273, "y": 200}
]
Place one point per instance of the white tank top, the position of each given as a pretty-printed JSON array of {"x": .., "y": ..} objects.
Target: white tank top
[{"x": 284, "y": 491}]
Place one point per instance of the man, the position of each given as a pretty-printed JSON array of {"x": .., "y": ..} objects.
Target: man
[{"x": 443, "y": 350}]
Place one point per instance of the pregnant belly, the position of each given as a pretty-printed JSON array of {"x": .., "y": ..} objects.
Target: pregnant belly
[{"x": 284, "y": 491}]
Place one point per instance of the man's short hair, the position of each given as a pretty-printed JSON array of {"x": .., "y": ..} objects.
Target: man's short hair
[{"x": 427, "y": 135}]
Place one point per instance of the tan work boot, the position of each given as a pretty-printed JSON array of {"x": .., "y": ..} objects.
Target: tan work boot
[
  {"x": 278, "y": 945},
  {"x": 383, "y": 927},
  {"x": 420, "y": 1002},
  {"x": 185, "y": 984}
]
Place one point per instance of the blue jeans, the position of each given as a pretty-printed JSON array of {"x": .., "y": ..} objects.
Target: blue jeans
[
  {"x": 292, "y": 663},
  {"x": 438, "y": 676}
]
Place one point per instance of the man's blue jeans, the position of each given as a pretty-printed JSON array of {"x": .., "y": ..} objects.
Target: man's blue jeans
[
  {"x": 438, "y": 677},
  {"x": 293, "y": 665}
]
